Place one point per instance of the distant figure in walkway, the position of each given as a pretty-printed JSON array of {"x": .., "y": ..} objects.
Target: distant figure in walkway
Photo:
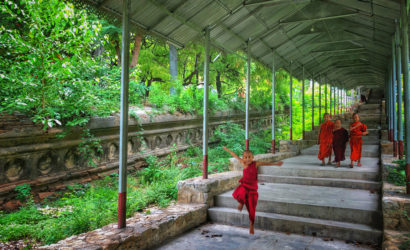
[
  {"x": 247, "y": 192},
  {"x": 325, "y": 138},
  {"x": 357, "y": 129},
  {"x": 340, "y": 139}
]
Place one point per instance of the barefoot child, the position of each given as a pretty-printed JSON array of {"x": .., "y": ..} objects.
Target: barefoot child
[
  {"x": 340, "y": 139},
  {"x": 357, "y": 129},
  {"x": 247, "y": 192},
  {"x": 324, "y": 138}
]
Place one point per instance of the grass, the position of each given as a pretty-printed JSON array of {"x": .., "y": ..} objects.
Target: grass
[{"x": 90, "y": 206}]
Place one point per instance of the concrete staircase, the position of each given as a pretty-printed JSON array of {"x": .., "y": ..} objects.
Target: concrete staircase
[{"x": 305, "y": 198}]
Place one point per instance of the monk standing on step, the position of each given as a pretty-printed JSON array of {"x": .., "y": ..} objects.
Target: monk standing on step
[
  {"x": 340, "y": 139},
  {"x": 247, "y": 192},
  {"x": 325, "y": 138},
  {"x": 357, "y": 129}
]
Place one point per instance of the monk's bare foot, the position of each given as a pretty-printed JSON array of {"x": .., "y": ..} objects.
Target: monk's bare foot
[
  {"x": 338, "y": 164},
  {"x": 323, "y": 163},
  {"x": 251, "y": 230},
  {"x": 329, "y": 163},
  {"x": 359, "y": 164},
  {"x": 240, "y": 207},
  {"x": 351, "y": 165}
]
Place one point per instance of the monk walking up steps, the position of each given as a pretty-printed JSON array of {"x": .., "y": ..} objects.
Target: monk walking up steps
[
  {"x": 325, "y": 138},
  {"x": 357, "y": 129},
  {"x": 340, "y": 139},
  {"x": 247, "y": 192}
]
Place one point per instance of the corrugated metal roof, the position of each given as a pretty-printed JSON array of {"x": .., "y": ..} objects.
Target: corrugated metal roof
[{"x": 349, "y": 41}]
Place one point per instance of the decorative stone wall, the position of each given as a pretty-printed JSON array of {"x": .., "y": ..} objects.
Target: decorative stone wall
[
  {"x": 396, "y": 210},
  {"x": 30, "y": 155}
]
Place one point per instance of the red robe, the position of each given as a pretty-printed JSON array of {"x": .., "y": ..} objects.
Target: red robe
[
  {"x": 247, "y": 192},
  {"x": 340, "y": 137},
  {"x": 356, "y": 141},
  {"x": 326, "y": 138}
]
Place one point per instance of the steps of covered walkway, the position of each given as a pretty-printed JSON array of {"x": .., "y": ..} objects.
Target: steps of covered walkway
[{"x": 305, "y": 198}]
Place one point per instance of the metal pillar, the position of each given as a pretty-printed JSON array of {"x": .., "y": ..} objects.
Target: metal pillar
[
  {"x": 291, "y": 105},
  {"x": 125, "y": 54},
  {"x": 273, "y": 103},
  {"x": 320, "y": 101},
  {"x": 390, "y": 99},
  {"x": 394, "y": 99},
  {"x": 303, "y": 102},
  {"x": 399, "y": 94},
  {"x": 248, "y": 80},
  {"x": 173, "y": 65},
  {"x": 406, "y": 88},
  {"x": 330, "y": 101},
  {"x": 205, "y": 112},
  {"x": 313, "y": 103}
]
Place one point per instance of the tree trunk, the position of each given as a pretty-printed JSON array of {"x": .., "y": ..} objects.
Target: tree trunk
[
  {"x": 218, "y": 84},
  {"x": 148, "y": 86},
  {"x": 118, "y": 52},
  {"x": 183, "y": 72},
  {"x": 197, "y": 71},
  {"x": 136, "y": 50},
  {"x": 188, "y": 79}
]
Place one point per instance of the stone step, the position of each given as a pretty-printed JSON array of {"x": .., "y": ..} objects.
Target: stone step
[
  {"x": 369, "y": 126},
  {"x": 338, "y": 204},
  {"x": 309, "y": 166},
  {"x": 369, "y": 106},
  {"x": 374, "y": 132},
  {"x": 367, "y": 151},
  {"x": 315, "y": 181},
  {"x": 299, "y": 225}
]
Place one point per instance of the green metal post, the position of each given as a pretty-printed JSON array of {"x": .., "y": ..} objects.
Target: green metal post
[
  {"x": 399, "y": 94},
  {"x": 406, "y": 88}
]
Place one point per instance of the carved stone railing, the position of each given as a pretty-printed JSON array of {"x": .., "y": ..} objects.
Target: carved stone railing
[{"x": 31, "y": 155}]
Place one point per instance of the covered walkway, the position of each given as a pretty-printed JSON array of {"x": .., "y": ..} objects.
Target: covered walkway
[{"x": 348, "y": 44}]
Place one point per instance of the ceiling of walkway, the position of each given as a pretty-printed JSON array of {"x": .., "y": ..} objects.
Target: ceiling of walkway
[{"x": 346, "y": 42}]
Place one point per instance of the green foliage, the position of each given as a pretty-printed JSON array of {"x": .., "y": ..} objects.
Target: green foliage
[
  {"x": 23, "y": 192},
  {"x": 397, "y": 175},
  {"x": 44, "y": 71}
]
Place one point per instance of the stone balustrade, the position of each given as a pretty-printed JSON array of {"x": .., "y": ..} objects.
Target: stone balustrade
[{"x": 31, "y": 155}]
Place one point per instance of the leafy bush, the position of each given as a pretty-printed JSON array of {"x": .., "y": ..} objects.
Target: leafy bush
[{"x": 397, "y": 175}]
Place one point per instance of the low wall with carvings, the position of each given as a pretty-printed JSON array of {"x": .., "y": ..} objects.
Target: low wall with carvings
[{"x": 30, "y": 155}]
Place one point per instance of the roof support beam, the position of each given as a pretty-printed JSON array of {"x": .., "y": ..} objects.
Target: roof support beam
[
  {"x": 276, "y": 2},
  {"x": 318, "y": 18},
  {"x": 338, "y": 50}
]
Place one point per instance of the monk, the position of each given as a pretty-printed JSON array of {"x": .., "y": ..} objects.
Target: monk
[
  {"x": 247, "y": 192},
  {"x": 357, "y": 129},
  {"x": 324, "y": 138},
  {"x": 340, "y": 139}
]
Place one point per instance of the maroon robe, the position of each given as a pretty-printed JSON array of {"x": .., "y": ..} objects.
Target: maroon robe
[
  {"x": 340, "y": 137},
  {"x": 247, "y": 192}
]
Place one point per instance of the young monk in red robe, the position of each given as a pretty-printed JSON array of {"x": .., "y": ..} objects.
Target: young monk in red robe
[
  {"x": 357, "y": 129},
  {"x": 340, "y": 139},
  {"x": 247, "y": 192},
  {"x": 325, "y": 138}
]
